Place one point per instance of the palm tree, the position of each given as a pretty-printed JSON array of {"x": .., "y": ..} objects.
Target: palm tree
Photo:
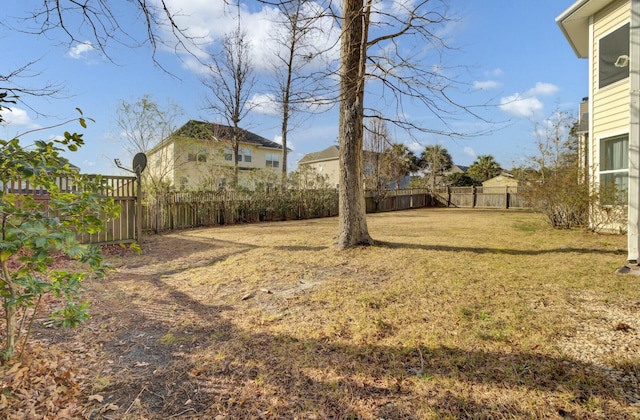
[
  {"x": 484, "y": 167},
  {"x": 436, "y": 159}
]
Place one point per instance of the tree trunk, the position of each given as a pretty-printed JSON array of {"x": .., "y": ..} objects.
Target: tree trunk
[
  {"x": 352, "y": 207},
  {"x": 10, "y": 314}
]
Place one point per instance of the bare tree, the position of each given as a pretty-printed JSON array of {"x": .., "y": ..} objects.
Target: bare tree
[
  {"x": 352, "y": 222},
  {"x": 297, "y": 86},
  {"x": 13, "y": 87},
  {"x": 371, "y": 52},
  {"x": 385, "y": 162},
  {"x": 92, "y": 22},
  {"x": 98, "y": 23},
  {"x": 231, "y": 81},
  {"x": 144, "y": 126}
]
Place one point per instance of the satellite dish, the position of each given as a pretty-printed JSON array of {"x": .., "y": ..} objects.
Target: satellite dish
[{"x": 139, "y": 162}]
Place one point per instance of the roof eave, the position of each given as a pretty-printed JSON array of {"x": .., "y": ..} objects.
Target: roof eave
[{"x": 574, "y": 24}]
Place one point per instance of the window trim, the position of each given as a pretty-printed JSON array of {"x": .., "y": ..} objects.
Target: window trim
[
  {"x": 274, "y": 162},
  {"x": 599, "y": 73},
  {"x": 227, "y": 154},
  {"x": 624, "y": 170}
]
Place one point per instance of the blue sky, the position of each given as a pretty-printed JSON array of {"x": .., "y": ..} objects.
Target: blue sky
[{"x": 513, "y": 52}]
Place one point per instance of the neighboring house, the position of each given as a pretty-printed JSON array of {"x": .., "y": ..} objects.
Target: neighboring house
[
  {"x": 440, "y": 179},
  {"x": 600, "y": 31},
  {"x": 200, "y": 153},
  {"x": 325, "y": 162},
  {"x": 503, "y": 180}
]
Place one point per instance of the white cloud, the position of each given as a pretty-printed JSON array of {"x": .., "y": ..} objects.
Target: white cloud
[
  {"x": 17, "y": 117},
  {"x": 290, "y": 144},
  {"x": 469, "y": 151},
  {"x": 207, "y": 22},
  {"x": 527, "y": 104},
  {"x": 264, "y": 104},
  {"x": 81, "y": 50},
  {"x": 495, "y": 73},
  {"x": 487, "y": 84},
  {"x": 415, "y": 147},
  {"x": 540, "y": 88},
  {"x": 521, "y": 106}
]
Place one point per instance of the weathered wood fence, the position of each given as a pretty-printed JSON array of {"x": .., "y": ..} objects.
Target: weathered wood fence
[
  {"x": 179, "y": 210},
  {"x": 193, "y": 209},
  {"x": 122, "y": 229},
  {"x": 480, "y": 197}
]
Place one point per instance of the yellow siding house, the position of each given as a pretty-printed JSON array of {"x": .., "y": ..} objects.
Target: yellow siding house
[
  {"x": 325, "y": 162},
  {"x": 199, "y": 155},
  {"x": 607, "y": 33}
]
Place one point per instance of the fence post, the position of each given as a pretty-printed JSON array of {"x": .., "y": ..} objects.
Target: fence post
[
  {"x": 473, "y": 198},
  {"x": 139, "y": 205},
  {"x": 506, "y": 197}
]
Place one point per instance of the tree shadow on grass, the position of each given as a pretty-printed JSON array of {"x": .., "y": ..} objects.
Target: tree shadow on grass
[
  {"x": 497, "y": 251},
  {"x": 175, "y": 355}
]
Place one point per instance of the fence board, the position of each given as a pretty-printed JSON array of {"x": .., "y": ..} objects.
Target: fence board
[{"x": 122, "y": 188}]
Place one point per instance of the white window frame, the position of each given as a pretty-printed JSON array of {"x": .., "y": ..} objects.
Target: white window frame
[
  {"x": 599, "y": 43},
  {"x": 227, "y": 154},
  {"x": 272, "y": 160},
  {"x": 614, "y": 171}
]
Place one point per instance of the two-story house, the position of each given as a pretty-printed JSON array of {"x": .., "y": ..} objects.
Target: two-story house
[
  {"x": 325, "y": 162},
  {"x": 607, "y": 33},
  {"x": 200, "y": 155}
]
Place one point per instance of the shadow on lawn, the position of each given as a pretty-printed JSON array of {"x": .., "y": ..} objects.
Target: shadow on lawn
[
  {"x": 497, "y": 251},
  {"x": 184, "y": 357}
]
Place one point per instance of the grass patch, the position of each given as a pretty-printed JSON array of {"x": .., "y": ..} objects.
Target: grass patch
[{"x": 452, "y": 314}]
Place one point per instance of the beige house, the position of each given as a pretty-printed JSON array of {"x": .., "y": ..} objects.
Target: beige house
[
  {"x": 325, "y": 162},
  {"x": 502, "y": 180},
  {"x": 600, "y": 31},
  {"x": 200, "y": 155}
]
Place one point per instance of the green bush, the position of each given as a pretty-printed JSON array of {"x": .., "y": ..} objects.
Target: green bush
[{"x": 34, "y": 232}]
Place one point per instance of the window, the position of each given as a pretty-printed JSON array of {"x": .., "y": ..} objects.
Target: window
[
  {"x": 273, "y": 160},
  {"x": 613, "y": 64},
  {"x": 614, "y": 168},
  {"x": 228, "y": 154},
  {"x": 197, "y": 157},
  {"x": 244, "y": 154},
  {"x": 247, "y": 154}
]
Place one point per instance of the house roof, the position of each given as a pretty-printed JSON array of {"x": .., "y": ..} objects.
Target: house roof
[
  {"x": 206, "y": 131},
  {"x": 330, "y": 153},
  {"x": 574, "y": 24}
]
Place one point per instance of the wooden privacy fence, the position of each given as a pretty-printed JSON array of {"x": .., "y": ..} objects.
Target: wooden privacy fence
[
  {"x": 398, "y": 200},
  {"x": 210, "y": 208},
  {"x": 179, "y": 210},
  {"x": 121, "y": 229},
  {"x": 480, "y": 197}
]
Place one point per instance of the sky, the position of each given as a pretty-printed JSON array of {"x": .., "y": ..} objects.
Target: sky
[{"x": 509, "y": 56}]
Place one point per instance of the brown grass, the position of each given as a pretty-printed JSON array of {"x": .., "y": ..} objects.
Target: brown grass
[{"x": 453, "y": 314}]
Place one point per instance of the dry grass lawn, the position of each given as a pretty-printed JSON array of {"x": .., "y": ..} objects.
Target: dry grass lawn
[{"x": 453, "y": 314}]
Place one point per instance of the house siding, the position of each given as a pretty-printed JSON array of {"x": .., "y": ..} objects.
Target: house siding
[
  {"x": 209, "y": 169},
  {"x": 196, "y": 173},
  {"x": 610, "y": 114},
  {"x": 329, "y": 168}
]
